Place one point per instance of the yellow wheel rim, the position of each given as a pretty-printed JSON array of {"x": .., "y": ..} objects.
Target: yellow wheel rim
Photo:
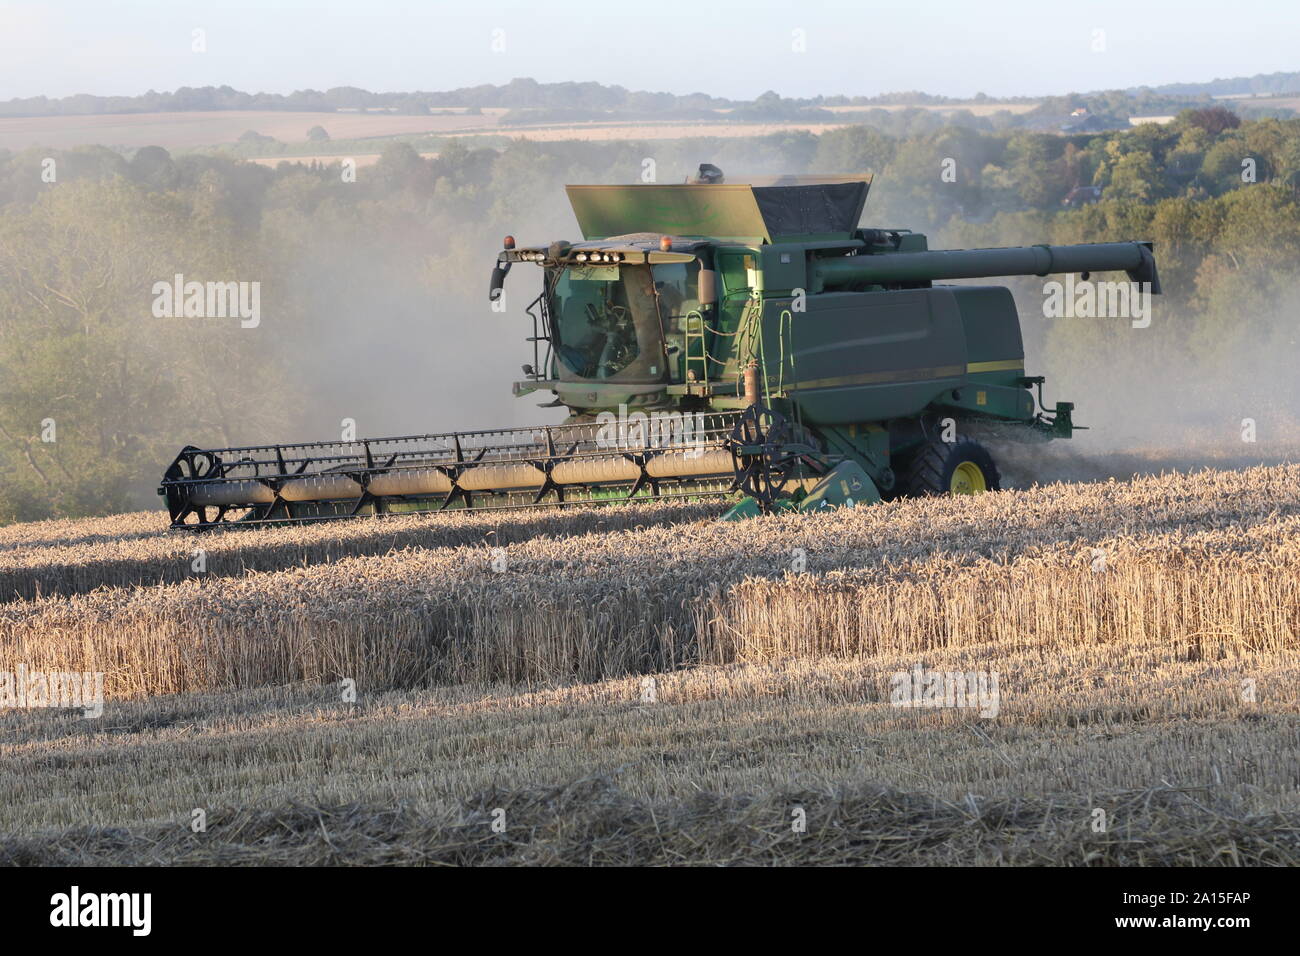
[{"x": 967, "y": 479}]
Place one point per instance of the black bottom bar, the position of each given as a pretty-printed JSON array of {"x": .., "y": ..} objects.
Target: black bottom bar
[{"x": 921, "y": 908}]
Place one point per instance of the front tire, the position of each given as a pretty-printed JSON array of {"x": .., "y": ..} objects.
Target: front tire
[{"x": 950, "y": 468}]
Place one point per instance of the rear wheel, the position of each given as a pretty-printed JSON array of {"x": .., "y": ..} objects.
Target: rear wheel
[{"x": 957, "y": 468}]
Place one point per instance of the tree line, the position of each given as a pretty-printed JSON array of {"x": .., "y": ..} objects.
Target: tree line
[{"x": 372, "y": 287}]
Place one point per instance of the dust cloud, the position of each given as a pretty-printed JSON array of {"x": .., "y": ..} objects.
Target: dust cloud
[{"x": 403, "y": 341}]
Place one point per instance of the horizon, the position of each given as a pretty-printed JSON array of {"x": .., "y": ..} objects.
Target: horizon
[
  {"x": 394, "y": 91},
  {"x": 81, "y": 47}
]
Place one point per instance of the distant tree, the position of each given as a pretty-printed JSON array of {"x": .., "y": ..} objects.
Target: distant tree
[
  {"x": 401, "y": 167},
  {"x": 1214, "y": 120},
  {"x": 152, "y": 166},
  {"x": 1134, "y": 177},
  {"x": 854, "y": 149},
  {"x": 1039, "y": 181},
  {"x": 1222, "y": 167},
  {"x": 317, "y": 134}
]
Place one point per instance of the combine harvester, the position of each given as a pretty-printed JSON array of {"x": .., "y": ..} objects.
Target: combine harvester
[{"x": 708, "y": 339}]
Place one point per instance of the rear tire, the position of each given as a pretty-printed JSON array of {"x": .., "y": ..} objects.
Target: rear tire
[{"x": 960, "y": 468}]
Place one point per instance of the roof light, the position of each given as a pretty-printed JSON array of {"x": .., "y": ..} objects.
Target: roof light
[
  {"x": 509, "y": 242},
  {"x": 666, "y": 243}
]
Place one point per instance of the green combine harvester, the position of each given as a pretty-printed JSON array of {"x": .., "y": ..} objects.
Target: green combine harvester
[{"x": 709, "y": 339}]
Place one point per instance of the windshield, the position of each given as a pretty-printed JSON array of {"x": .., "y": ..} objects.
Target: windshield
[{"x": 605, "y": 322}]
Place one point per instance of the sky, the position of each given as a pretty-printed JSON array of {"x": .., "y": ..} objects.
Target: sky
[{"x": 732, "y": 48}]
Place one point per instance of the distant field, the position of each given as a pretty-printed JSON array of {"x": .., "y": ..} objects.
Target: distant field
[
  {"x": 976, "y": 109},
  {"x": 188, "y": 130},
  {"x": 590, "y": 132},
  {"x": 1276, "y": 102},
  {"x": 618, "y": 131},
  {"x": 361, "y": 159},
  {"x": 191, "y": 130},
  {"x": 1286, "y": 101}
]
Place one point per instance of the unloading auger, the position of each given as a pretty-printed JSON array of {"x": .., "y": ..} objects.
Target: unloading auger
[{"x": 710, "y": 339}]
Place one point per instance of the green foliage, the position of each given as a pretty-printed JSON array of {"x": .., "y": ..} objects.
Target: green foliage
[{"x": 91, "y": 382}]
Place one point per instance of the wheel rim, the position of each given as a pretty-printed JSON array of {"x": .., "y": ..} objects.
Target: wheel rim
[{"x": 967, "y": 479}]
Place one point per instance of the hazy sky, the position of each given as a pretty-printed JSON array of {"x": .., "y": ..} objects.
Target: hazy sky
[{"x": 723, "y": 47}]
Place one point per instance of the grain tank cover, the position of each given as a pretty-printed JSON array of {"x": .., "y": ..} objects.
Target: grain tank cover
[{"x": 786, "y": 209}]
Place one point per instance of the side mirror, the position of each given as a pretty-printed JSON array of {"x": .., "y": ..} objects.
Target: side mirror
[{"x": 498, "y": 280}]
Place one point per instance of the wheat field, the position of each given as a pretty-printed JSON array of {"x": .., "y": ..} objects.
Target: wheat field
[{"x": 649, "y": 685}]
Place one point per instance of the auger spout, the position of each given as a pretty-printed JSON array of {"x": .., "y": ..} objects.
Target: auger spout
[{"x": 1134, "y": 258}]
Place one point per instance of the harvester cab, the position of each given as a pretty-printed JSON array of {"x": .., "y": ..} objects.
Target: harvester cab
[
  {"x": 614, "y": 315},
  {"x": 710, "y": 338},
  {"x": 645, "y": 281}
]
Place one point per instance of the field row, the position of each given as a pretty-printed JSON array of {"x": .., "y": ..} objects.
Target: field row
[
  {"x": 1186, "y": 771},
  {"x": 659, "y": 598},
  {"x": 592, "y": 823},
  {"x": 72, "y": 557}
]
